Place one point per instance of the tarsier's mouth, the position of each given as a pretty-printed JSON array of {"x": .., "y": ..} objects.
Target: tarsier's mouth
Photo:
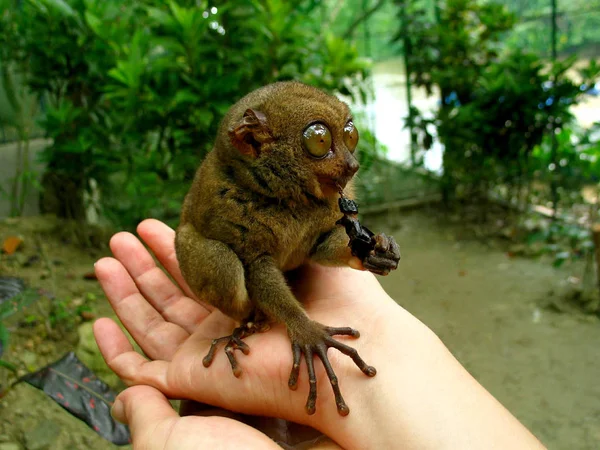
[{"x": 335, "y": 183}]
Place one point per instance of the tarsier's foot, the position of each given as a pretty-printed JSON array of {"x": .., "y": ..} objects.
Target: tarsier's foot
[
  {"x": 234, "y": 342},
  {"x": 384, "y": 257},
  {"x": 316, "y": 342}
]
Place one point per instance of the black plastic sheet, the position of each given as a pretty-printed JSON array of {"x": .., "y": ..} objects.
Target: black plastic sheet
[
  {"x": 78, "y": 390},
  {"x": 10, "y": 287}
]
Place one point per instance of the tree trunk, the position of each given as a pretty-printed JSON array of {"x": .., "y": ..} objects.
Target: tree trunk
[{"x": 62, "y": 196}]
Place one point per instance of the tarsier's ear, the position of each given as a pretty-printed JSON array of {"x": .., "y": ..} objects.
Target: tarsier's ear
[{"x": 251, "y": 133}]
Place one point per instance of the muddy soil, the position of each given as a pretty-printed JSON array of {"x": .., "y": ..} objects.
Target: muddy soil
[{"x": 487, "y": 307}]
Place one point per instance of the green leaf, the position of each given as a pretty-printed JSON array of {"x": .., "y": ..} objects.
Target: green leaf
[
  {"x": 180, "y": 14},
  {"x": 4, "y": 334},
  {"x": 160, "y": 16},
  {"x": 95, "y": 23},
  {"x": 204, "y": 117},
  {"x": 560, "y": 258},
  {"x": 60, "y": 6},
  {"x": 118, "y": 74},
  {"x": 186, "y": 96}
]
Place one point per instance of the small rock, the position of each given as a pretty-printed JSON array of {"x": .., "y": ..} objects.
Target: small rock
[{"x": 42, "y": 436}]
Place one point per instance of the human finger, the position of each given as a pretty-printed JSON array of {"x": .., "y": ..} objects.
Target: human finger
[
  {"x": 158, "y": 338},
  {"x": 155, "y": 425},
  {"x": 148, "y": 413},
  {"x": 122, "y": 358},
  {"x": 161, "y": 239},
  {"x": 155, "y": 285}
]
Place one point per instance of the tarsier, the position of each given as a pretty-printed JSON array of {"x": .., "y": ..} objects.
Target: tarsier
[{"x": 274, "y": 193}]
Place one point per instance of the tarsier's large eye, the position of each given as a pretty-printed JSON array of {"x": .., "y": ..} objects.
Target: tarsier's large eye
[
  {"x": 317, "y": 140},
  {"x": 350, "y": 136}
]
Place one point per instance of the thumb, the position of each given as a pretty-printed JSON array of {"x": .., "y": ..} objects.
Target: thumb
[{"x": 148, "y": 413}]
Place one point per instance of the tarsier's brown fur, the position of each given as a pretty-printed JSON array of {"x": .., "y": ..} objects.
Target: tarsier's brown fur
[{"x": 260, "y": 205}]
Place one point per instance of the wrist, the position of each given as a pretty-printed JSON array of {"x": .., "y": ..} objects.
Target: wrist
[
  {"x": 421, "y": 397},
  {"x": 393, "y": 344}
]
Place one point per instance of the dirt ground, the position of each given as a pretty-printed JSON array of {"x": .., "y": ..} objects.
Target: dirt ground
[
  {"x": 489, "y": 309},
  {"x": 486, "y": 306}
]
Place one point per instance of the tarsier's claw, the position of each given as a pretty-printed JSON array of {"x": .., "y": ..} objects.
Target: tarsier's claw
[{"x": 319, "y": 349}]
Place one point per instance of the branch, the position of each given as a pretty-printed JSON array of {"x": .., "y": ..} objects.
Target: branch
[{"x": 350, "y": 31}]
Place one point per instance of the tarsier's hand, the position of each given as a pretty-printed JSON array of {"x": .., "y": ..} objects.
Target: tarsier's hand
[{"x": 384, "y": 257}]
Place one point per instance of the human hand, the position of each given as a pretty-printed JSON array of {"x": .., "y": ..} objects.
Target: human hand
[
  {"x": 154, "y": 424},
  {"x": 413, "y": 399},
  {"x": 140, "y": 292}
]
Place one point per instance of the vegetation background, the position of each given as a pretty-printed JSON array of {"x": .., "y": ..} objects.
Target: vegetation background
[{"x": 108, "y": 106}]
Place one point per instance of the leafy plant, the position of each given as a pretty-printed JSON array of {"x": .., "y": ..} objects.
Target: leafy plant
[
  {"x": 136, "y": 88},
  {"x": 23, "y": 108},
  {"x": 495, "y": 107}
]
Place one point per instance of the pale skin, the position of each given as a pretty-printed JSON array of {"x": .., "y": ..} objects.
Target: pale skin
[{"x": 421, "y": 398}]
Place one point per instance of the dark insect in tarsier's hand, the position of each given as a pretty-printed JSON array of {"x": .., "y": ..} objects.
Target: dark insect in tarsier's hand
[{"x": 378, "y": 253}]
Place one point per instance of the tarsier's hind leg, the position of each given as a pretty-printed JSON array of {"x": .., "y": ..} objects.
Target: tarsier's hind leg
[
  {"x": 216, "y": 276},
  {"x": 213, "y": 272}
]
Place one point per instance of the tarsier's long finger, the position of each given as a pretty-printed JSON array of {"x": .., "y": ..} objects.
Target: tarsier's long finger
[
  {"x": 394, "y": 248},
  {"x": 312, "y": 380},
  {"x": 297, "y": 354},
  {"x": 229, "y": 349},
  {"x": 375, "y": 268},
  {"x": 241, "y": 345},
  {"x": 382, "y": 242},
  {"x": 208, "y": 359},
  {"x": 381, "y": 261},
  {"x": 352, "y": 353},
  {"x": 342, "y": 331},
  {"x": 339, "y": 400}
]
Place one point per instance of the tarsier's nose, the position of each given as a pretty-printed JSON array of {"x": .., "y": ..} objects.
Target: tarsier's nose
[{"x": 351, "y": 165}]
